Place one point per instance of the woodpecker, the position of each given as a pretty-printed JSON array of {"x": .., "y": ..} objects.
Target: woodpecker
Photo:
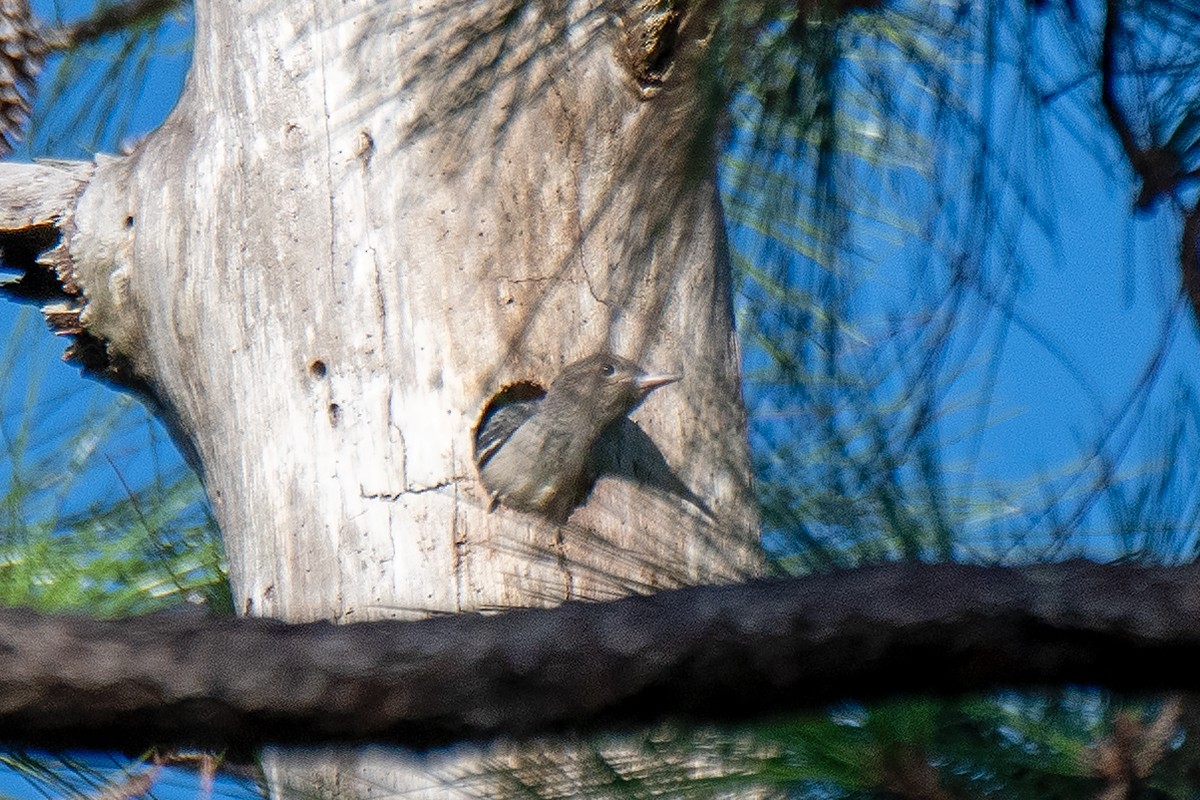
[{"x": 534, "y": 454}]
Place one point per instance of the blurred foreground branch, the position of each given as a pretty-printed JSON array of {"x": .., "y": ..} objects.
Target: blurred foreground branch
[
  {"x": 701, "y": 654},
  {"x": 106, "y": 19}
]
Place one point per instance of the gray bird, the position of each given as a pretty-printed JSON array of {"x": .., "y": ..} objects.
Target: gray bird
[{"x": 534, "y": 452}]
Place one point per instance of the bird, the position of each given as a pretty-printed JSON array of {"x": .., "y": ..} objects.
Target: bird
[{"x": 534, "y": 450}]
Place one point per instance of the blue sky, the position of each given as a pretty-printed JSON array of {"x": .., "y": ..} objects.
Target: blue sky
[
  {"x": 1042, "y": 382},
  {"x": 84, "y": 774}
]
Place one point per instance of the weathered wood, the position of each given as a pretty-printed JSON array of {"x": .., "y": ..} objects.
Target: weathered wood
[
  {"x": 323, "y": 273},
  {"x": 39, "y": 194}
]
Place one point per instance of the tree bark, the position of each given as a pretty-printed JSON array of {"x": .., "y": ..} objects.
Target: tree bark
[
  {"x": 324, "y": 272},
  {"x": 701, "y": 654},
  {"x": 365, "y": 218}
]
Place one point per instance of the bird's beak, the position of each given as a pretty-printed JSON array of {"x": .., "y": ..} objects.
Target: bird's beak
[{"x": 648, "y": 383}]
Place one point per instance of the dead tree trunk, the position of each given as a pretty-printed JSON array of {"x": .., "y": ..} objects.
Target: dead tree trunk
[{"x": 362, "y": 220}]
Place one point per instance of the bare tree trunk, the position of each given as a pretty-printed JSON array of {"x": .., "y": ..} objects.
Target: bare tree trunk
[{"x": 362, "y": 220}]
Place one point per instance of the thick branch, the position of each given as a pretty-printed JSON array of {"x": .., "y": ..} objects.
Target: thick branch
[
  {"x": 38, "y": 238},
  {"x": 37, "y": 207},
  {"x": 703, "y": 654},
  {"x": 39, "y": 194}
]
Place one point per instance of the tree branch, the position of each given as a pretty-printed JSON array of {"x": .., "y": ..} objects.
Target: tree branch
[
  {"x": 1159, "y": 167},
  {"x": 39, "y": 194},
  {"x": 1108, "y": 86},
  {"x": 106, "y": 20},
  {"x": 39, "y": 238},
  {"x": 37, "y": 207},
  {"x": 701, "y": 654},
  {"x": 1189, "y": 259}
]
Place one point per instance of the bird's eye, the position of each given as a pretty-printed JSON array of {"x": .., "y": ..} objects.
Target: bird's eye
[{"x": 607, "y": 369}]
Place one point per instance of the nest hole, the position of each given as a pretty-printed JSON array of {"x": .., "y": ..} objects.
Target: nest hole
[{"x": 519, "y": 392}]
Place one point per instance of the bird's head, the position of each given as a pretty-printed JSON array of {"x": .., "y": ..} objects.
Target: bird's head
[{"x": 607, "y": 385}]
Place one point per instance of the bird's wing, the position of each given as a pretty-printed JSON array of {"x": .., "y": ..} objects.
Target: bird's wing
[{"x": 500, "y": 425}]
